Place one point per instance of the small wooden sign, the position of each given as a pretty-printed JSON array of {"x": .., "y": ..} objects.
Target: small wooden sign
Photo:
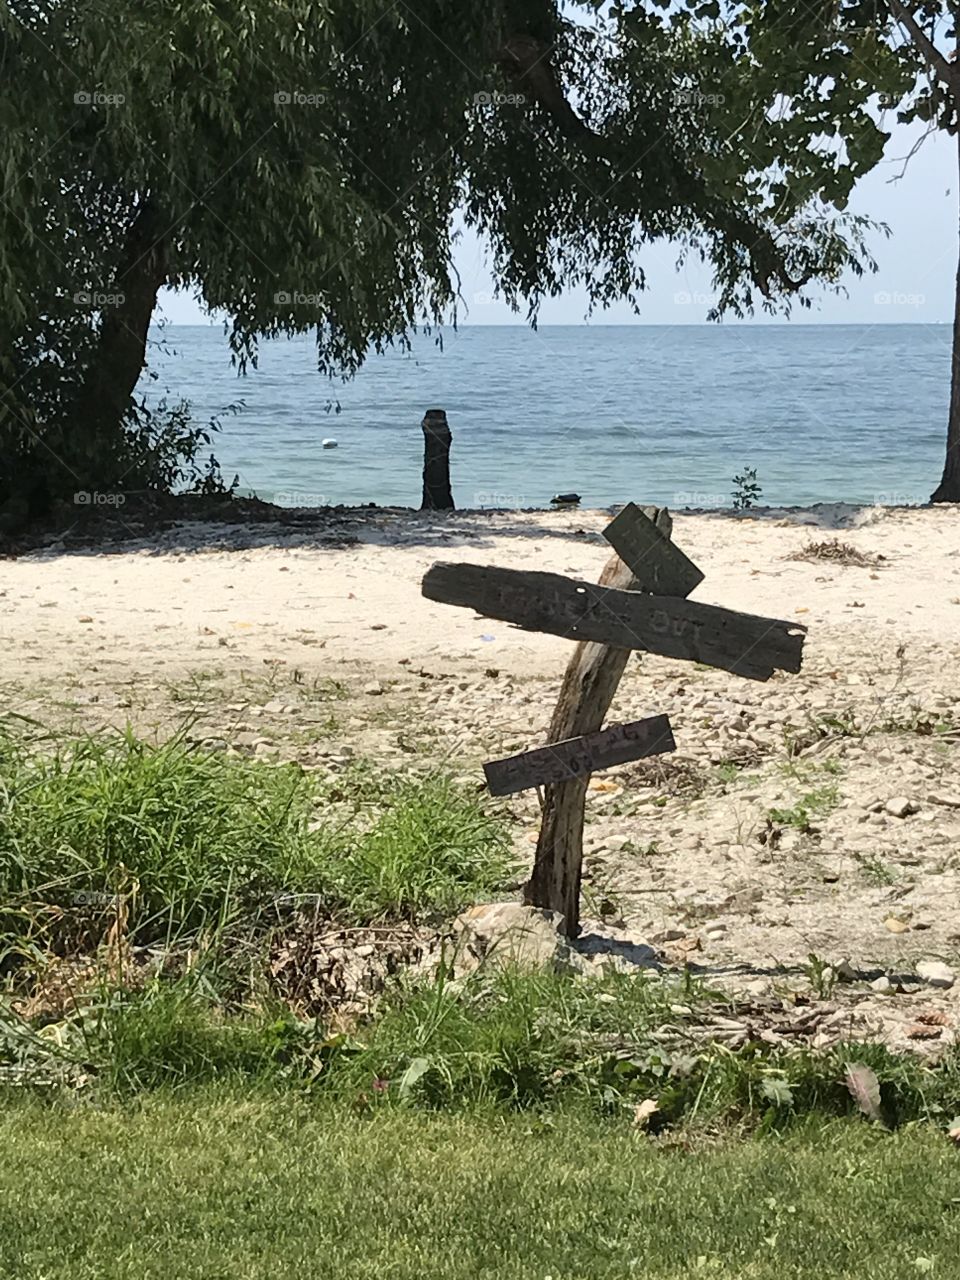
[
  {"x": 578, "y": 757},
  {"x": 675, "y": 628},
  {"x": 652, "y": 556}
]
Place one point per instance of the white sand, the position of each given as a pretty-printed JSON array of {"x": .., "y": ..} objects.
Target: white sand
[{"x": 179, "y": 608}]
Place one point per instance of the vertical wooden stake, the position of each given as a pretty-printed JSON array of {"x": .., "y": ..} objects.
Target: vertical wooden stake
[
  {"x": 436, "y": 462},
  {"x": 588, "y": 688}
]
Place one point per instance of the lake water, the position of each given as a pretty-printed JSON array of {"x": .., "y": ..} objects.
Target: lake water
[{"x": 663, "y": 414}]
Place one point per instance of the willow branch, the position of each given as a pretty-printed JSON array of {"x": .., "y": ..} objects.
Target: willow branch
[{"x": 527, "y": 61}]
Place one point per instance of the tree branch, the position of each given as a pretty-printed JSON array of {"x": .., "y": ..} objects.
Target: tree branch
[
  {"x": 527, "y": 61},
  {"x": 936, "y": 61}
]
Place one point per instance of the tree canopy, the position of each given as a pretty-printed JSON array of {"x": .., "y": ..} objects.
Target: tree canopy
[{"x": 300, "y": 164}]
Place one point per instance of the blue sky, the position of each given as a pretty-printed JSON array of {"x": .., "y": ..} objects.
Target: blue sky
[{"x": 914, "y": 283}]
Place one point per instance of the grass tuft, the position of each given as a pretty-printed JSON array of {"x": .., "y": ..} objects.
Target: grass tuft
[{"x": 111, "y": 833}]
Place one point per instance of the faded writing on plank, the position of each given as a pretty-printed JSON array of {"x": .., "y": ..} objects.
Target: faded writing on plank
[{"x": 577, "y": 757}]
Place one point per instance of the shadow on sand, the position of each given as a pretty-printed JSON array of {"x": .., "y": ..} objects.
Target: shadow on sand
[{"x": 187, "y": 524}]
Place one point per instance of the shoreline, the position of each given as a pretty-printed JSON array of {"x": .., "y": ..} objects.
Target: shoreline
[{"x": 164, "y": 518}]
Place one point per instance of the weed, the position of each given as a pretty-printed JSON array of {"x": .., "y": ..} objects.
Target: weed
[
  {"x": 746, "y": 490},
  {"x": 821, "y": 975},
  {"x": 875, "y": 871},
  {"x": 814, "y": 804}
]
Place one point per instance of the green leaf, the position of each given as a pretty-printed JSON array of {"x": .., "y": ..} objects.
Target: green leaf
[
  {"x": 417, "y": 1069},
  {"x": 776, "y": 1091}
]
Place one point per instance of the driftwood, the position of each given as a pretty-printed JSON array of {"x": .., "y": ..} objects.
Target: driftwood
[
  {"x": 579, "y": 757},
  {"x": 667, "y": 625}
]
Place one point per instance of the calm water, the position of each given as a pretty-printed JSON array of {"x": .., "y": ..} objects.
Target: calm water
[{"x": 660, "y": 414}]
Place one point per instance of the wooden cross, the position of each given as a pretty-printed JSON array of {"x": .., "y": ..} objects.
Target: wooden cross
[{"x": 639, "y": 603}]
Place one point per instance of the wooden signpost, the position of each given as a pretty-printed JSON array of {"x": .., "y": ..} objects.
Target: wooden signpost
[{"x": 639, "y": 604}]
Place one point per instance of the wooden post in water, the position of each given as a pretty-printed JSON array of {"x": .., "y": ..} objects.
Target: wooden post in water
[{"x": 436, "y": 462}]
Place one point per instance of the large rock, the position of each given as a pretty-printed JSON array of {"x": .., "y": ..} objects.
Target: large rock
[
  {"x": 507, "y": 934},
  {"x": 936, "y": 974}
]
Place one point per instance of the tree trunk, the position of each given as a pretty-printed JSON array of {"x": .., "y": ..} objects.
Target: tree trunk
[
  {"x": 436, "y": 462},
  {"x": 121, "y": 350},
  {"x": 949, "y": 488}
]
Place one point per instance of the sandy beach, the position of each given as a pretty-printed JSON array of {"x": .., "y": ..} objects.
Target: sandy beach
[{"x": 816, "y": 814}]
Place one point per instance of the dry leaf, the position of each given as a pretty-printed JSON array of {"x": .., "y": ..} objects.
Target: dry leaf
[
  {"x": 864, "y": 1088},
  {"x": 896, "y": 925},
  {"x": 933, "y": 1018},
  {"x": 643, "y": 1112},
  {"x": 918, "y": 1032},
  {"x": 603, "y": 784}
]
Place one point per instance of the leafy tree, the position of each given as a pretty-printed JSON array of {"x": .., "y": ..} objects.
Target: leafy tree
[
  {"x": 932, "y": 31},
  {"x": 298, "y": 164},
  {"x": 864, "y": 57}
]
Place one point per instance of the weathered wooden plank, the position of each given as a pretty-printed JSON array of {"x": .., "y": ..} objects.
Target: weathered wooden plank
[
  {"x": 579, "y": 757},
  {"x": 651, "y": 555},
  {"x": 589, "y": 685},
  {"x": 747, "y": 645}
]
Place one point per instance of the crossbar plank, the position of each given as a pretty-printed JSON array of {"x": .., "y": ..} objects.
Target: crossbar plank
[
  {"x": 579, "y": 757},
  {"x": 650, "y": 554},
  {"x": 742, "y": 643}
]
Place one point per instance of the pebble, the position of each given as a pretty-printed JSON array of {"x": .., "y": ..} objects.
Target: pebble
[
  {"x": 936, "y": 974},
  {"x": 883, "y": 986},
  {"x": 901, "y": 806},
  {"x": 374, "y": 689}
]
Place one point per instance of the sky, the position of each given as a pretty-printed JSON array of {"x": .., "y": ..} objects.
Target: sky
[{"x": 914, "y": 284}]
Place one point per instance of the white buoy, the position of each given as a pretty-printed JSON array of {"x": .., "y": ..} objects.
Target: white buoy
[{"x": 329, "y": 443}]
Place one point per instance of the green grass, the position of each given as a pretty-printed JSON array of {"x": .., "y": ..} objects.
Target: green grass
[
  {"x": 212, "y": 1185},
  {"x": 188, "y": 838},
  {"x": 495, "y": 1043}
]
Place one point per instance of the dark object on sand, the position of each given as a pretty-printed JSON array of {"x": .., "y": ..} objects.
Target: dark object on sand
[
  {"x": 565, "y": 500},
  {"x": 436, "y": 462}
]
